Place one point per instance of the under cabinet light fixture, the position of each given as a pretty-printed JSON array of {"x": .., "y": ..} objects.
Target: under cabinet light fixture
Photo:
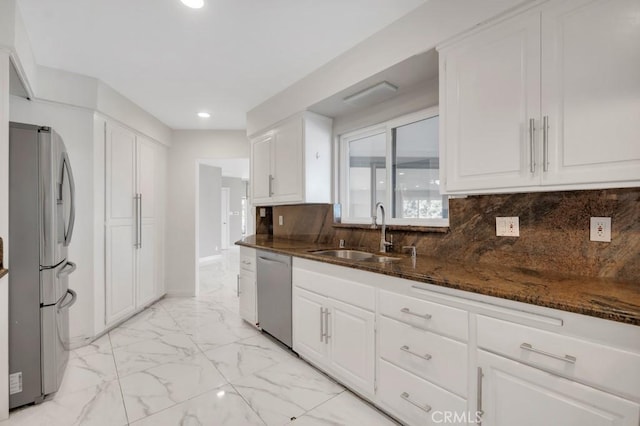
[
  {"x": 380, "y": 90},
  {"x": 193, "y": 4},
  {"x": 204, "y": 114}
]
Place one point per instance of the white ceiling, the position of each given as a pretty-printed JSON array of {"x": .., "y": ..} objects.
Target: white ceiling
[{"x": 225, "y": 58}]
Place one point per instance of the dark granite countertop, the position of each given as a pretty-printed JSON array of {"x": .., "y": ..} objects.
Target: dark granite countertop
[{"x": 597, "y": 297}]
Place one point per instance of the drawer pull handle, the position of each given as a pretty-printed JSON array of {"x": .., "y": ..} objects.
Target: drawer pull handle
[
  {"x": 406, "y": 349},
  {"x": 408, "y": 311},
  {"x": 567, "y": 358},
  {"x": 426, "y": 408}
]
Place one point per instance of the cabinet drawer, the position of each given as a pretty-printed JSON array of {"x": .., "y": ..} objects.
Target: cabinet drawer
[
  {"x": 438, "y": 359},
  {"x": 413, "y": 400},
  {"x": 247, "y": 259},
  {"x": 425, "y": 315},
  {"x": 602, "y": 366},
  {"x": 333, "y": 285}
]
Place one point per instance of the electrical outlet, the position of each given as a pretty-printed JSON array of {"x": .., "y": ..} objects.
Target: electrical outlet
[
  {"x": 600, "y": 229},
  {"x": 263, "y": 212},
  {"x": 280, "y": 220},
  {"x": 508, "y": 226}
]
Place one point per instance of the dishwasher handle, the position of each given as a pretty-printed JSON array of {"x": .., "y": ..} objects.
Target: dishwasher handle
[{"x": 264, "y": 259}]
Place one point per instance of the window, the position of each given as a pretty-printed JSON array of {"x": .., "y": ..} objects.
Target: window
[{"x": 395, "y": 163}]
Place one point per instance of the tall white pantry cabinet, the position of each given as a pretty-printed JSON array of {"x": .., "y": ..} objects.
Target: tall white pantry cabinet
[{"x": 135, "y": 170}]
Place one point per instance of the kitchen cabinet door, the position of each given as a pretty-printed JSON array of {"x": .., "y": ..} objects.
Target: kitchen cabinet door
[
  {"x": 516, "y": 394},
  {"x": 261, "y": 175},
  {"x": 120, "y": 229},
  {"x": 591, "y": 90},
  {"x": 308, "y": 325},
  {"x": 490, "y": 90},
  {"x": 247, "y": 297},
  {"x": 288, "y": 161},
  {"x": 148, "y": 166},
  {"x": 351, "y": 336}
]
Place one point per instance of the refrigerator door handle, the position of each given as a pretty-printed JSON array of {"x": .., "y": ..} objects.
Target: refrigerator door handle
[
  {"x": 74, "y": 297},
  {"x": 72, "y": 191},
  {"x": 66, "y": 271}
]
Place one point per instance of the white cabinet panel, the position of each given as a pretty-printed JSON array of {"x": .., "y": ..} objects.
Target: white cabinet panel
[
  {"x": 247, "y": 297},
  {"x": 120, "y": 184},
  {"x": 491, "y": 90},
  {"x": 120, "y": 272},
  {"x": 613, "y": 369},
  {"x": 288, "y": 161},
  {"x": 308, "y": 325},
  {"x": 433, "y": 357},
  {"x": 416, "y": 401},
  {"x": 135, "y": 184},
  {"x": 591, "y": 90},
  {"x": 261, "y": 185},
  {"x": 515, "y": 394},
  {"x": 352, "y": 334},
  {"x": 570, "y": 66},
  {"x": 291, "y": 162},
  {"x": 147, "y": 177},
  {"x": 148, "y": 265}
]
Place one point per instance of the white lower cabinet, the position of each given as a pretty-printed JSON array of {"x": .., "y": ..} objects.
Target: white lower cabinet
[
  {"x": 444, "y": 357},
  {"x": 246, "y": 290},
  {"x": 414, "y": 400},
  {"x": 513, "y": 393},
  {"x": 336, "y": 336}
]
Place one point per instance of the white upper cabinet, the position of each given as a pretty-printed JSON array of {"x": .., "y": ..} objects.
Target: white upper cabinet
[
  {"x": 591, "y": 90},
  {"x": 544, "y": 100},
  {"x": 291, "y": 162},
  {"x": 490, "y": 87}
]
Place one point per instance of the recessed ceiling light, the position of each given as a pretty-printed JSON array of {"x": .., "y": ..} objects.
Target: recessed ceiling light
[
  {"x": 204, "y": 115},
  {"x": 193, "y": 4}
]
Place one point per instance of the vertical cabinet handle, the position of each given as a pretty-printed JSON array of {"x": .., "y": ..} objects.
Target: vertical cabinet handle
[
  {"x": 270, "y": 185},
  {"x": 545, "y": 143},
  {"x": 140, "y": 220},
  {"x": 136, "y": 206},
  {"x": 479, "y": 395},
  {"x": 321, "y": 324},
  {"x": 238, "y": 285},
  {"x": 532, "y": 153}
]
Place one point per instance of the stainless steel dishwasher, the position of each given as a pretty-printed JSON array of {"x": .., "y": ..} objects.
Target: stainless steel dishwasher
[{"x": 274, "y": 295}]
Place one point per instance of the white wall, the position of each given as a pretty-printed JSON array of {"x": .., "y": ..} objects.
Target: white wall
[
  {"x": 4, "y": 231},
  {"x": 75, "y": 125},
  {"x": 188, "y": 147},
  {"x": 416, "y": 32},
  {"x": 236, "y": 192},
  {"x": 420, "y": 97},
  {"x": 209, "y": 229}
]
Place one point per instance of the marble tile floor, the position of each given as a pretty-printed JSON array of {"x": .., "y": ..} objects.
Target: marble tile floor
[{"x": 193, "y": 361}]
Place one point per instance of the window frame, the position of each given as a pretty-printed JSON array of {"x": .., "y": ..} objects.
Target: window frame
[{"x": 386, "y": 127}]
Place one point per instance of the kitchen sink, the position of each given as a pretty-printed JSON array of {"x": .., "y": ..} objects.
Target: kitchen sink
[{"x": 356, "y": 255}]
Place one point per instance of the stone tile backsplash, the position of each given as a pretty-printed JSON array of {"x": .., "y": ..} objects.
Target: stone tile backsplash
[{"x": 554, "y": 231}]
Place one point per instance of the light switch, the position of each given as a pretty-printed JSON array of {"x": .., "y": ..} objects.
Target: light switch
[
  {"x": 263, "y": 212},
  {"x": 281, "y": 220}
]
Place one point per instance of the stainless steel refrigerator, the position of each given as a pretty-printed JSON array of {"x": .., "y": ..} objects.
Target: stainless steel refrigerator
[{"x": 41, "y": 218}]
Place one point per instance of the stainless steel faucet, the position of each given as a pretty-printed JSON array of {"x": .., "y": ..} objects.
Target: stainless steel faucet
[{"x": 383, "y": 234}]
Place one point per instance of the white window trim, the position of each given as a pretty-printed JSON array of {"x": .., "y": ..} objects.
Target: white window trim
[{"x": 343, "y": 169}]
